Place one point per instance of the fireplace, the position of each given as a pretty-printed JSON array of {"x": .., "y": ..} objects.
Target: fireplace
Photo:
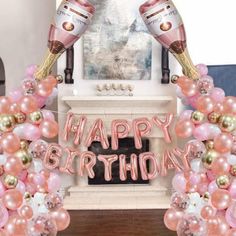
[{"x": 126, "y": 147}]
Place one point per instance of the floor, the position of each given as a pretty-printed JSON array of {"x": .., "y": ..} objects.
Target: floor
[{"x": 117, "y": 223}]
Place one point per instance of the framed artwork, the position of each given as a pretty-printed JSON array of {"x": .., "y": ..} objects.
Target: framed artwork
[{"x": 117, "y": 45}]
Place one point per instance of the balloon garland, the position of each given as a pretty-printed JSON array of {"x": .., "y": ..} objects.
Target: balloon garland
[
  {"x": 30, "y": 200},
  {"x": 204, "y": 201}
]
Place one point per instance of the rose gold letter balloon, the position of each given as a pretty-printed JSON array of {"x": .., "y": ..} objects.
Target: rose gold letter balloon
[
  {"x": 68, "y": 166},
  {"x": 132, "y": 167},
  {"x": 87, "y": 162},
  {"x": 52, "y": 156}
]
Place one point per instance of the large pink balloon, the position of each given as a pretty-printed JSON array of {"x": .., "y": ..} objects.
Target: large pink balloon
[
  {"x": 5, "y": 104},
  {"x": 229, "y": 105},
  {"x": 49, "y": 128},
  {"x": 184, "y": 128},
  {"x": 27, "y": 131},
  {"x": 61, "y": 217},
  {"x": 44, "y": 88},
  {"x": 10, "y": 142},
  {"x": 13, "y": 166},
  {"x": 172, "y": 218},
  {"x": 28, "y": 104},
  {"x": 205, "y": 104},
  {"x": 218, "y": 94},
  {"x": 26, "y": 212},
  {"x": 12, "y": 199},
  {"x": 221, "y": 199},
  {"x": 220, "y": 166},
  {"x": 223, "y": 143}
]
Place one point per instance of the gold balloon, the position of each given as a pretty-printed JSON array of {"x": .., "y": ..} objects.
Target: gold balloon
[
  {"x": 227, "y": 123},
  {"x": 214, "y": 117},
  {"x": 24, "y": 144},
  {"x": 233, "y": 170},
  {"x": 10, "y": 181},
  {"x": 223, "y": 181},
  {"x": 7, "y": 123},
  {"x": 174, "y": 79},
  {"x": 208, "y": 158},
  {"x": 206, "y": 196},
  {"x": 59, "y": 79},
  {"x": 209, "y": 144},
  {"x": 197, "y": 117},
  {"x": 20, "y": 118},
  {"x": 36, "y": 117},
  {"x": 27, "y": 196},
  {"x": 25, "y": 157}
]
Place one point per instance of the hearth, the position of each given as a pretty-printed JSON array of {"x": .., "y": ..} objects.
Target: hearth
[{"x": 126, "y": 147}]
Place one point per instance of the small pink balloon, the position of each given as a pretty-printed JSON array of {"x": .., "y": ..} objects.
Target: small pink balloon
[
  {"x": 48, "y": 115},
  {"x": 179, "y": 183},
  {"x": 12, "y": 199},
  {"x": 202, "y": 69},
  {"x": 202, "y": 132},
  {"x": 30, "y": 70},
  {"x": 49, "y": 128},
  {"x": 192, "y": 101},
  {"x": 223, "y": 226},
  {"x": 41, "y": 101},
  {"x": 61, "y": 217},
  {"x": 230, "y": 216},
  {"x": 51, "y": 80},
  {"x": 21, "y": 187},
  {"x": 210, "y": 175},
  {"x": 15, "y": 95},
  {"x": 28, "y": 104},
  {"x": 26, "y": 212},
  {"x": 184, "y": 128},
  {"x": 205, "y": 104},
  {"x": 54, "y": 182},
  {"x": 220, "y": 166},
  {"x": 4, "y": 215},
  {"x": 10, "y": 142},
  {"x": 190, "y": 89},
  {"x": 27, "y": 131},
  {"x": 5, "y": 104},
  {"x": 223, "y": 143},
  {"x": 229, "y": 105},
  {"x": 185, "y": 115},
  {"x": 172, "y": 217},
  {"x": 182, "y": 80},
  {"x": 205, "y": 84},
  {"x": 207, "y": 212},
  {"x": 219, "y": 108},
  {"x": 2, "y": 189},
  {"x": 221, "y": 199},
  {"x": 44, "y": 88},
  {"x": 38, "y": 148},
  {"x": 13, "y": 166},
  {"x": 38, "y": 179},
  {"x": 231, "y": 232},
  {"x": 218, "y": 95},
  {"x": 232, "y": 189},
  {"x": 14, "y": 108},
  {"x": 23, "y": 175}
]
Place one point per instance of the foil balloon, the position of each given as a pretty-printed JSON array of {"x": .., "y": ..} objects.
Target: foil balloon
[
  {"x": 125, "y": 167},
  {"x": 52, "y": 156},
  {"x": 68, "y": 165},
  {"x": 87, "y": 162}
]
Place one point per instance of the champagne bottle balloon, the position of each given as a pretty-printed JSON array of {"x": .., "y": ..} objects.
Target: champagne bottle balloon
[
  {"x": 165, "y": 24},
  {"x": 71, "y": 21}
]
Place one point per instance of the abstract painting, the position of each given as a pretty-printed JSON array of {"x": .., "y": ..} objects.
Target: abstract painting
[{"x": 117, "y": 45}]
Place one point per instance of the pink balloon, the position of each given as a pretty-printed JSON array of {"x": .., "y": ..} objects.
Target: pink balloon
[
  {"x": 184, "y": 128},
  {"x": 30, "y": 70},
  {"x": 16, "y": 226},
  {"x": 231, "y": 232},
  {"x": 190, "y": 89},
  {"x": 14, "y": 108},
  {"x": 49, "y": 128},
  {"x": 232, "y": 189},
  {"x": 218, "y": 95},
  {"x": 207, "y": 212},
  {"x": 172, "y": 217},
  {"x": 205, "y": 84},
  {"x": 185, "y": 115},
  {"x": 192, "y": 101},
  {"x": 179, "y": 183},
  {"x": 26, "y": 212},
  {"x": 202, "y": 69},
  {"x": 41, "y": 101},
  {"x": 230, "y": 216},
  {"x": 62, "y": 218},
  {"x": 28, "y": 104},
  {"x": 205, "y": 104},
  {"x": 10, "y": 142},
  {"x": 39, "y": 179},
  {"x": 4, "y": 215},
  {"x": 12, "y": 199},
  {"x": 221, "y": 199},
  {"x": 219, "y": 108},
  {"x": 54, "y": 182},
  {"x": 229, "y": 105},
  {"x": 21, "y": 187},
  {"x": 5, "y": 104},
  {"x": 13, "y": 166},
  {"x": 220, "y": 166},
  {"x": 223, "y": 143},
  {"x": 44, "y": 88},
  {"x": 2, "y": 189},
  {"x": 51, "y": 80},
  {"x": 206, "y": 131},
  {"x": 48, "y": 115},
  {"x": 15, "y": 95},
  {"x": 27, "y": 131}
]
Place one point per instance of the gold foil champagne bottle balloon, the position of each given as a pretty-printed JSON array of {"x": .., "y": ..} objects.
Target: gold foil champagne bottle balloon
[
  {"x": 165, "y": 24},
  {"x": 71, "y": 21}
]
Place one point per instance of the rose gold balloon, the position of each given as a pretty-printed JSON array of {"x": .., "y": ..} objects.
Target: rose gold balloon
[
  {"x": 190, "y": 89},
  {"x": 219, "y": 108},
  {"x": 14, "y": 108},
  {"x": 5, "y": 104},
  {"x": 231, "y": 232},
  {"x": 51, "y": 80},
  {"x": 10, "y": 142},
  {"x": 49, "y": 128},
  {"x": 172, "y": 218},
  {"x": 223, "y": 226},
  {"x": 220, "y": 166},
  {"x": 223, "y": 143},
  {"x": 28, "y": 104},
  {"x": 26, "y": 212},
  {"x": 12, "y": 199},
  {"x": 44, "y": 88},
  {"x": 13, "y": 166},
  {"x": 205, "y": 104},
  {"x": 221, "y": 199},
  {"x": 62, "y": 218},
  {"x": 229, "y": 105},
  {"x": 184, "y": 128},
  {"x": 16, "y": 226},
  {"x": 207, "y": 212}
]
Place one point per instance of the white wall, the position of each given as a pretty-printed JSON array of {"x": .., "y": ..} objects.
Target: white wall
[{"x": 23, "y": 31}]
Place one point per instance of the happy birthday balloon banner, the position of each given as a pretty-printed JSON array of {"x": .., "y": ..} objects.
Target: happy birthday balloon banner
[{"x": 176, "y": 158}]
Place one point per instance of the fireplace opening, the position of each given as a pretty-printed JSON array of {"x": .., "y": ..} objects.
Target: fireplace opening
[{"x": 126, "y": 147}]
